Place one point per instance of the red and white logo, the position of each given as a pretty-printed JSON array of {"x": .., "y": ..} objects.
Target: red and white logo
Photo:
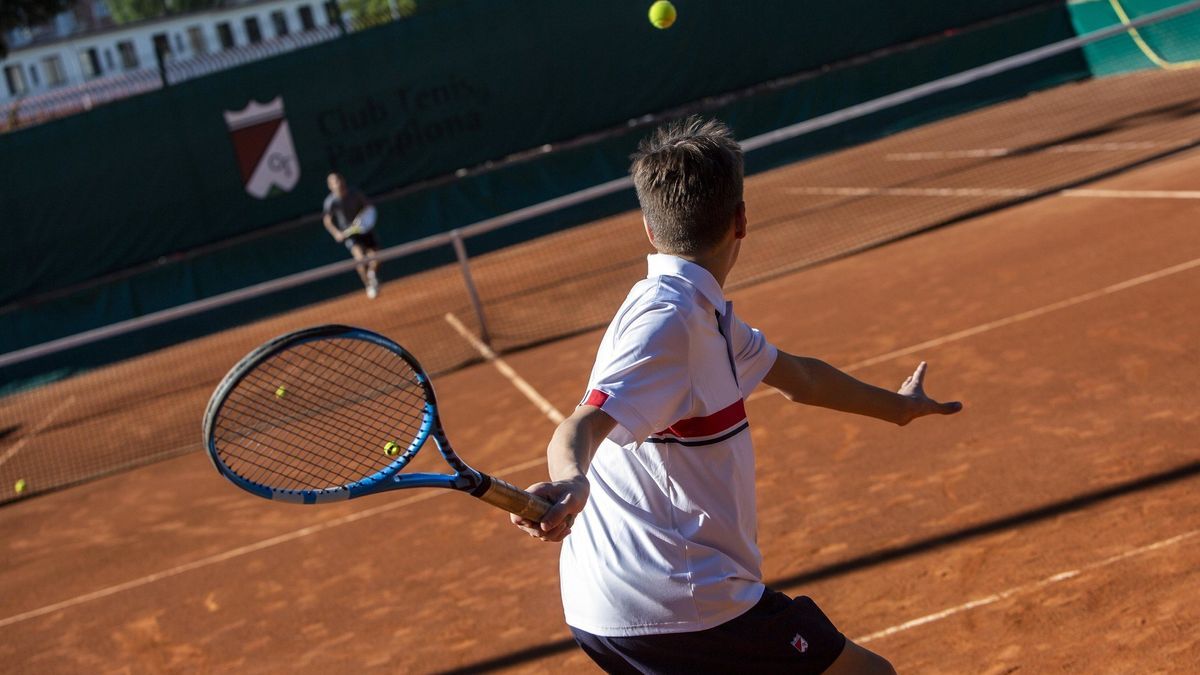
[
  {"x": 800, "y": 643},
  {"x": 262, "y": 142}
]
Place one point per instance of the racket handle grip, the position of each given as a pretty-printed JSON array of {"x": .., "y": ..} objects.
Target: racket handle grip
[{"x": 504, "y": 495}]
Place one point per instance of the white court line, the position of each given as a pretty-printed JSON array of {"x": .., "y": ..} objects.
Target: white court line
[
  {"x": 506, "y": 370},
  {"x": 1025, "y": 588},
  {"x": 11, "y": 452},
  {"x": 846, "y": 191},
  {"x": 1008, "y": 320},
  {"x": 247, "y": 549},
  {"x": 1056, "y": 149},
  {"x": 1133, "y": 194},
  {"x": 911, "y": 192}
]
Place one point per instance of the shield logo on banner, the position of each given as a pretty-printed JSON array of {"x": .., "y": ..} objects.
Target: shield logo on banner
[{"x": 262, "y": 142}]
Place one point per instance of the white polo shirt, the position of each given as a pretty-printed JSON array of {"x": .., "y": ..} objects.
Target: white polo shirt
[{"x": 667, "y": 542}]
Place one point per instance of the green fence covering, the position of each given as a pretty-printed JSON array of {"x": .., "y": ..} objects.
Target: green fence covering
[
  {"x": 468, "y": 82},
  {"x": 291, "y": 249}
]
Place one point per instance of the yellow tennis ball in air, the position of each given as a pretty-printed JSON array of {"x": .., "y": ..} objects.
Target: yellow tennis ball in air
[
  {"x": 662, "y": 14},
  {"x": 281, "y": 391},
  {"x": 19, "y": 486},
  {"x": 391, "y": 449}
]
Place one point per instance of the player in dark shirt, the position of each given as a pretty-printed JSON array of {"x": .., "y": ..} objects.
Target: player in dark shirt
[{"x": 350, "y": 219}]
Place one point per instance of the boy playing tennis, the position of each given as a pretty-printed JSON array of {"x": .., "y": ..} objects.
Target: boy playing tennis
[{"x": 662, "y": 573}]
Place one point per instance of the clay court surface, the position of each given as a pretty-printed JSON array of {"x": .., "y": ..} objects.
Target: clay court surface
[{"x": 1052, "y": 526}]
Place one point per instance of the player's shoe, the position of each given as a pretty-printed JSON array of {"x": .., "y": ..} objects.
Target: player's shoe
[{"x": 373, "y": 289}]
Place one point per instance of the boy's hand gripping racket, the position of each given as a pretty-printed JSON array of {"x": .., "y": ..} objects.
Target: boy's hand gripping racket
[{"x": 331, "y": 413}]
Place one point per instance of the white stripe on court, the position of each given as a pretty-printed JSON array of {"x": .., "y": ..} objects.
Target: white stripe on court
[
  {"x": 1133, "y": 194},
  {"x": 506, "y": 370},
  {"x": 973, "y": 153},
  {"x": 1025, "y": 588},
  {"x": 846, "y": 191},
  {"x": 11, "y": 452},
  {"x": 911, "y": 192},
  {"x": 247, "y": 549},
  {"x": 1008, "y": 320}
]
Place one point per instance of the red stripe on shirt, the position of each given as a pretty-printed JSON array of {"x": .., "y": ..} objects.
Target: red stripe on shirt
[
  {"x": 699, "y": 427},
  {"x": 595, "y": 397}
]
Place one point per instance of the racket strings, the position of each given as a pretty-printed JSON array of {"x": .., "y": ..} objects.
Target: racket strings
[
  {"x": 312, "y": 458},
  {"x": 293, "y": 466},
  {"x": 319, "y": 415},
  {"x": 309, "y": 459}
]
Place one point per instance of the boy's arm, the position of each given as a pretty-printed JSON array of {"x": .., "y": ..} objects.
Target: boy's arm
[
  {"x": 814, "y": 382},
  {"x": 569, "y": 454}
]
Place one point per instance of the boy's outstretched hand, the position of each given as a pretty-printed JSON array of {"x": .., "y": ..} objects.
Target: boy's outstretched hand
[
  {"x": 569, "y": 497},
  {"x": 920, "y": 405}
]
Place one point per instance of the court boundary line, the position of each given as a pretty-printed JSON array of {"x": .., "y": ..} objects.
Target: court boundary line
[
  {"x": 1008, "y": 320},
  {"x": 367, "y": 513},
  {"x": 885, "y": 191},
  {"x": 37, "y": 429},
  {"x": 506, "y": 370},
  {"x": 1063, "y": 148},
  {"x": 1024, "y": 588},
  {"x": 1131, "y": 194}
]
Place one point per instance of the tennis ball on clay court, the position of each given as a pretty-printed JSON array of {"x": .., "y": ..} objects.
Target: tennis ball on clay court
[
  {"x": 391, "y": 449},
  {"x": 662, "y": 14},
  {"x": 19, "y": 486},
  {"x": 281, "y": 391}
]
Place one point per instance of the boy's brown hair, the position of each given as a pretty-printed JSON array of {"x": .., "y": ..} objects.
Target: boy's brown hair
[{"x": 688, "y": 176}]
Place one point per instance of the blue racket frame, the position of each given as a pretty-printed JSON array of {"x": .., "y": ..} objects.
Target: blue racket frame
[{"x": 464, "y": 478}]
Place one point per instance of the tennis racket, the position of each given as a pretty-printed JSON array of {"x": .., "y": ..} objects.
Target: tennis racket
[{"x": 331, "y": 413}]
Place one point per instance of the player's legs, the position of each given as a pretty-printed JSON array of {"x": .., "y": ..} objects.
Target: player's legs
[
  {"x": 857, "y": 660},
  {"x": 365, "y": 273},
  {"x": 359, "y": 254},
  {"x": 369, "y": 244}
]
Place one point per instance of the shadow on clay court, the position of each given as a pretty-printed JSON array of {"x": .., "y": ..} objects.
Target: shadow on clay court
[
  {"x": 1148, "y": 117},
  {"x": 5, "y": 432},
  {"x": 1040, "y": 513}
]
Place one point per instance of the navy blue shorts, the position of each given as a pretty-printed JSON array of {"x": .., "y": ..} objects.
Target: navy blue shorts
[
  {"x": 779, "y": 634},
  {"x": 366, "y": 240}
]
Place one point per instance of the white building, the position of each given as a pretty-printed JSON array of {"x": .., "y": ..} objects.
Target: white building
[{"x": 68, "y": 61}]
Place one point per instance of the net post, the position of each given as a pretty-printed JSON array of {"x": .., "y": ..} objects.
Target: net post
[{"x": 460, "y": 251}]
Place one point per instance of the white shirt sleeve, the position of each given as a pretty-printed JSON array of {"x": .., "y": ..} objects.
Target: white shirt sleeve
[
  {"x": 753, "y": 353},
  {"x": 644, "y": 382}
]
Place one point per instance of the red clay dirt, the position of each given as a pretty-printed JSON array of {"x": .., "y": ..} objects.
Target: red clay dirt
[{"x": 1078, "y": 444}]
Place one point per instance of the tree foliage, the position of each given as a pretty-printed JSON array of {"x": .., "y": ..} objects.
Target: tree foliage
[
  {"x": 26, "y": 14},
  {"x": 124, "y": 11},
  {"x": 370, "y": 12}
]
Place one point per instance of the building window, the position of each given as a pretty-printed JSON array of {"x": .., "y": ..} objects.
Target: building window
[
  {"x": 55, "y": 75},
  {"x": 253, "y": 32},
  {"x": 197, "y": 41},
  {"x": 33, "y": 74},
  {"x": 162, "y": 44},
  {"x": 280, "y": 23},
  {"x": 89, "y": 62},
  {"x": 225, "y": 35},
  {"x": 129, "y": 59},
  {"x": 15, "y": 77},
  {"x": 306, "y": 18},
  {"x": 108, "y": 60},
  {"x": 179, "y": 43},
  {"x": 332, "y": 14}
]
